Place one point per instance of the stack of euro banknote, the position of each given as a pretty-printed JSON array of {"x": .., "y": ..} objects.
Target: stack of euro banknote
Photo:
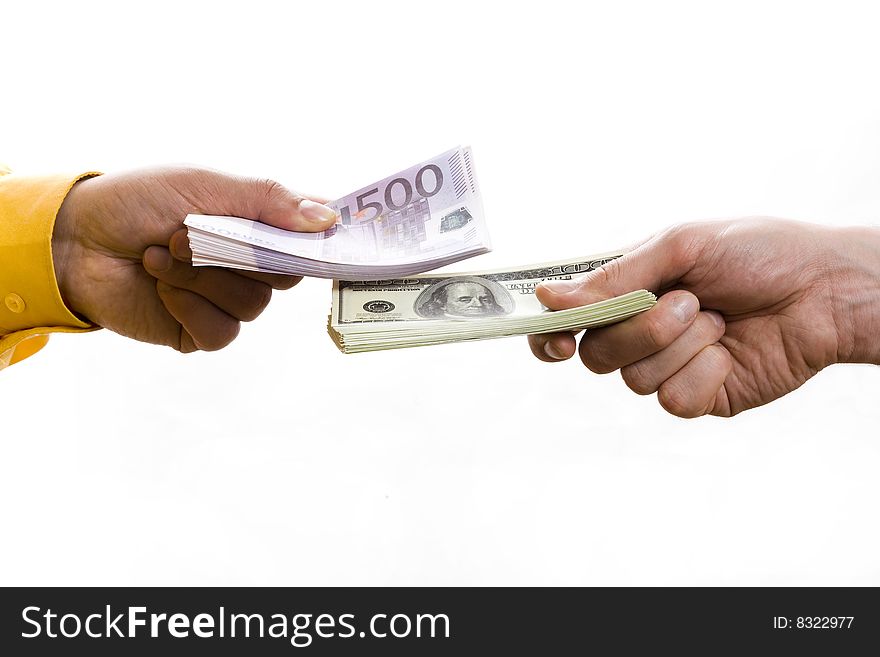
[{"x": 418, "y": 219}]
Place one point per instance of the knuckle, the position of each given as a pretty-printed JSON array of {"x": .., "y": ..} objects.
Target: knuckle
[
  {"x": 676, "y": 401},
  {"x": 275, "y": 191},
  {"x": 271, "y": 188},
  {"x": 719, "y": 358},
  {"x": 657, "y": 332},
  {"x": 673, "y": 233},
  {"x": 185, "y": 273},
  {"x": 637, "y": 380},
  {"x": 595, "y": 284},
  {"x": 180, "y": 274},
  {"x": 676, "y": 236},
  {"x": 683, "y": 241},
  {"x": 601, "y": 276},
  {"x": 222, "y": 334},
  {"x": 259, "y": 299}
]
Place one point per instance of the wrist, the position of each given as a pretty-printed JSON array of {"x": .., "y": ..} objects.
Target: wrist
[
  {"x": 855, "y": 275},
  {"x": 65, "y": 246}
]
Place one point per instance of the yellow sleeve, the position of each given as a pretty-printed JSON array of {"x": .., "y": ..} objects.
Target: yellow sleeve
[{"x": 30, "y": 303}]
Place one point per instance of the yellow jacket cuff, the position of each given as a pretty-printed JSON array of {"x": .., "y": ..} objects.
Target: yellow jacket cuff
[{"x": 30, "y": 302}]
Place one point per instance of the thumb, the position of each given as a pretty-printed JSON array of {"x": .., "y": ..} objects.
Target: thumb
[
  {"x": 272, "y": 203},
  {"x": 657, "y": 264}
]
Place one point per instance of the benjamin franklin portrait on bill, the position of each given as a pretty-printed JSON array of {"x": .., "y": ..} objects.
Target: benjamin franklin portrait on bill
[{"x": 462, "y": 297}]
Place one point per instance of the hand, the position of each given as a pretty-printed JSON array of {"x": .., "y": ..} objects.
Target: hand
[
  {"x": 780, "y": 301},
  {"x": 122, "y": 258}
]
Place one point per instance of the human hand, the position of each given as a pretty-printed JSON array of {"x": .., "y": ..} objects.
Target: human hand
[
  {"x": 780, "y": 301},
  {"x": 123, "y": 262}
]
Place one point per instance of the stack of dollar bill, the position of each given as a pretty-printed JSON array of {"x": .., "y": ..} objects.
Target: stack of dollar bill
[
  {"x": 425, "y": 217},
  {"x": 409, "y": 312}
]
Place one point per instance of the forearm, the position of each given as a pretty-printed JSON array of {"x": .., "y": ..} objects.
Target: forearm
[{"x": 854, "y": 261}]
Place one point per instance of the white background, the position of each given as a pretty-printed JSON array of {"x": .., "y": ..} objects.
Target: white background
[{"x": 281, "y": 461}]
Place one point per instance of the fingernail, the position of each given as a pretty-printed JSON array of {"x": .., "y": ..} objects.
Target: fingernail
[
  {"x": 717, "y": 318},
  {"x": 685, "y": 307},
  {"x": 158, "y": 259},
  {"x": 316, "y": 212},
  {"x": 179, "y": 247},
  {"x": 553, "y": 351},
  {"x": 559, "y": 287}
]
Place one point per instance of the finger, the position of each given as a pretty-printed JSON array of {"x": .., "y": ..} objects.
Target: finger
[
  {"x": 553, "y": 347},
  {"x": 607, "y": 349},
  {"x": 645, "y": 376},
  {"x": 272, "y": 203},
  {"x": 187, "y": 344},
  {"x": 209, "y": 327},
  {"x": 655, "y": 265},
  {"x": 694, "y": 389},
  {"x": 179, "y": 247},
  {"x": 158, "y": 326},
  {"x": 238, "y": 296}
]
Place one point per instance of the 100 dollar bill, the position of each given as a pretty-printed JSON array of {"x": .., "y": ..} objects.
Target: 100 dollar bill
[
  {"x": 474, "y": 295},
  {"x": 431, "y": 309}
]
